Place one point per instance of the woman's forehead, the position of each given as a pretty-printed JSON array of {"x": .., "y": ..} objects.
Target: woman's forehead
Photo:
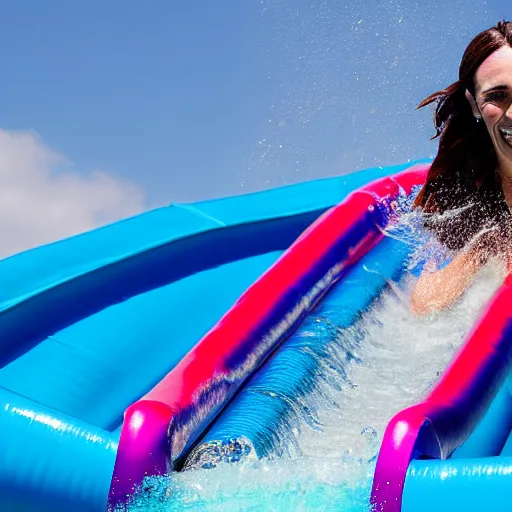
[{"x": 496, "y": 70}]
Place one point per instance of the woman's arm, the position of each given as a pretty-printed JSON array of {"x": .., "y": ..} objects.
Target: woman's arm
[
  {"x": 437, "y": 290},
  {"x": 440, "y": 289}
]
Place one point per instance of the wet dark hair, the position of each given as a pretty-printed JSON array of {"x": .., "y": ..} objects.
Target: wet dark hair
[{"x": 462, "y": 181}]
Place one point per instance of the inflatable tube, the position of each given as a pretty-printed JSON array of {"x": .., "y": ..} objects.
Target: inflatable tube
[{"x": 472, "y": 485}]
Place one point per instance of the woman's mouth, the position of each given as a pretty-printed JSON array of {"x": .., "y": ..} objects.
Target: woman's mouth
[{"x": 506, "y": 135}]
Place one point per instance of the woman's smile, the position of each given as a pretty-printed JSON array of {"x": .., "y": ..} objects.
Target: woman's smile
[{"x": 506, "y": 135}]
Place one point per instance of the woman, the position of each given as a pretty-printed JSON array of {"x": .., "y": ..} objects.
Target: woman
[{"x": 467, "y": 197}]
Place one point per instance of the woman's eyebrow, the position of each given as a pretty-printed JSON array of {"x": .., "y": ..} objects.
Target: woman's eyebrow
[{"x": 496, "y": 88}]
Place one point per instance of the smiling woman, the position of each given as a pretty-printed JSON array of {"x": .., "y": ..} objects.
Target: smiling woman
[
  {"x": 467, "y": 197},
  {"x": 491, "y": 101}
]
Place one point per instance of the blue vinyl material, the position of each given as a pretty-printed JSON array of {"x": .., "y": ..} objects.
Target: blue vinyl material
[
  {"x": 51, "y": 462},
  {"x": 69, "y": 369},
  {"x": 490, "y": 436},
  {"x": 469, "y": 485},
  {"x": 507, "y": 448},
  {"x": 479, "y": 474}
]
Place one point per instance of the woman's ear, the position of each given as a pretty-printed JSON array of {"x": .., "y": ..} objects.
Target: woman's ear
[{"x": 474, "y": 106}]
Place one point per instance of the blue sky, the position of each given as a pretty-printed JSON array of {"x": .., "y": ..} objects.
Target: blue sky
[{"x": 192, "y": 100}]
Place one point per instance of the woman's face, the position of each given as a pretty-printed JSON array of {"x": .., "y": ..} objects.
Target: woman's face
[{"x": 493, "y": 95}]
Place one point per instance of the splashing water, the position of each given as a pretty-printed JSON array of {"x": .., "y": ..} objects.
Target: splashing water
[
  {"x": 401, "y": 357},
  {"x": 395, "y": 358}
]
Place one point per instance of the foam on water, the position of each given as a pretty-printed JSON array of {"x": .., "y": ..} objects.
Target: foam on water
[{"x": 396, "y": 358}]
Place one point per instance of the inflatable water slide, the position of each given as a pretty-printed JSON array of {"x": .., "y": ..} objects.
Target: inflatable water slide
[{"x": 138, "y": 349}]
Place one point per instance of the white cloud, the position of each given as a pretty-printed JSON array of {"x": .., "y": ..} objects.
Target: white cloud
[{"x": 43, "y": 198}]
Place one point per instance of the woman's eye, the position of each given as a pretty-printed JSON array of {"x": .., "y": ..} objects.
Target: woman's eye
[{"x": 497, "y": 97}]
